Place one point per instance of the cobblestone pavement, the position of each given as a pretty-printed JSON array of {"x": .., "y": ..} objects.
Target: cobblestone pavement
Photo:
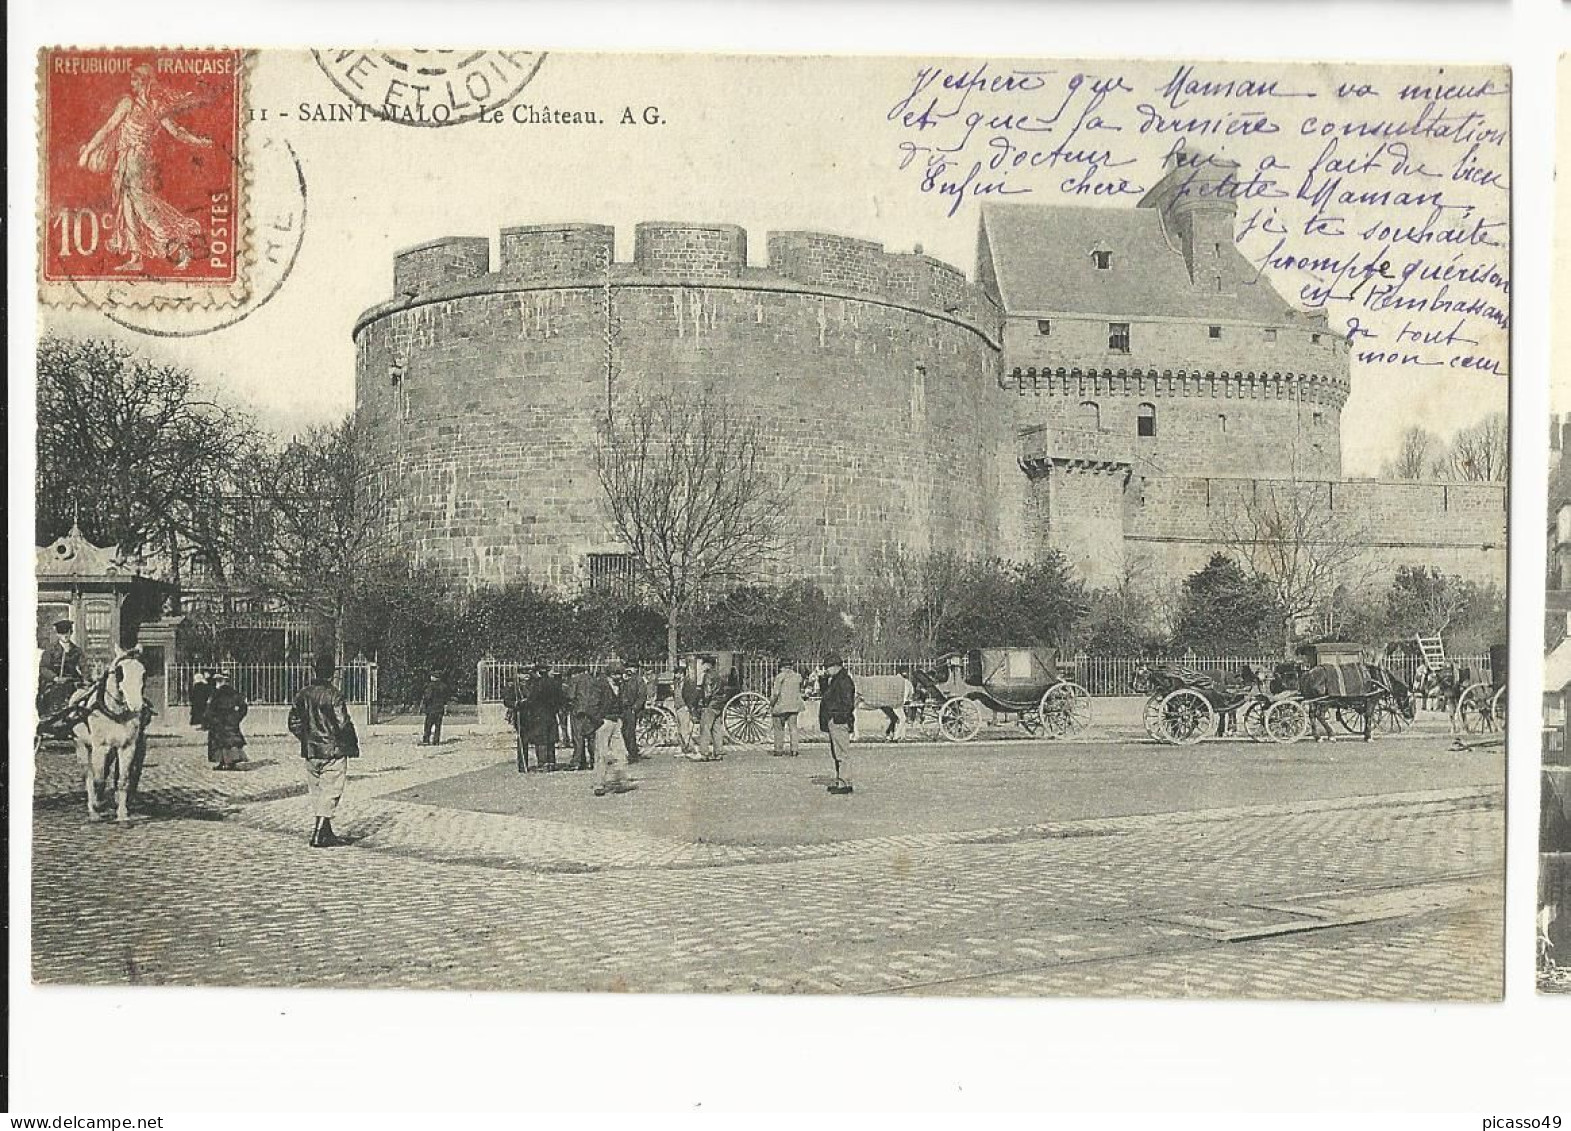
[{"x": 1389, "y": 895}]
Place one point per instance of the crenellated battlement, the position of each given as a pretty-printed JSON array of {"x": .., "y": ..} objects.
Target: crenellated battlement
[
  {"x": 1328, "y": 388},
  {"x": 670, "y": 252}
]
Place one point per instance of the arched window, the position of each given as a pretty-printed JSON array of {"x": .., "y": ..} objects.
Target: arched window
[
  {"x": 1091, "y": 416},
  {"x": 1103, "y": 260},
  {"x": 1221, "y": 422},
  {"x": 1145, "y": 422}
]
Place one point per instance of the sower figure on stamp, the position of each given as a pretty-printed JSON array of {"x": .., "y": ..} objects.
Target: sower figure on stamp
[
  {"x": 141, "y": 221},
  {"x": 836, "y": 717},
  {"x": 319, "y": 718}
]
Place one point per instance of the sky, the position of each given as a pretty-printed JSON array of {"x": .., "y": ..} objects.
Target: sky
[{"x": 764, "y": 142}]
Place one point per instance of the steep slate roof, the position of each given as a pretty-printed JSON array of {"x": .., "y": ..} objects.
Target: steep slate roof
[{"x": 1041, "y": 256}]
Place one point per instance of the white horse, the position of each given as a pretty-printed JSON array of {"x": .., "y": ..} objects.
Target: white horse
[{"x": 111, "y": 717}]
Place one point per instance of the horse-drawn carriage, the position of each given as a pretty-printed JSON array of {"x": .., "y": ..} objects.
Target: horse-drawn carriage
[
  {"x": 1184, "y": 705},
  {"x": 1335, "y": 678},
  {"x": 1028, "y": 684},
  {"x": 744, "y": 716},
  {"x": 1482, "y": 705}
]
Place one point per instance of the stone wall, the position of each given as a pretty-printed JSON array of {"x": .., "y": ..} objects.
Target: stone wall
[
  {"x": 1459, "y": 528},
  {"x": 484, "y": 397}
]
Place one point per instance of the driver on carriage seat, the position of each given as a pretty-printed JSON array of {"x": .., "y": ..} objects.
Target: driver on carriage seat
[{"x": 60, "y": 673}]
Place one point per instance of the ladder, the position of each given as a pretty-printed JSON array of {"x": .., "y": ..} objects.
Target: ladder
[{"x": 1433, "y": 649}]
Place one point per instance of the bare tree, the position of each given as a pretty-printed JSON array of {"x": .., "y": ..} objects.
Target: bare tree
[
  {"x": 1289, "y": 536},
  {"x": 1416, "y": 455},
  {"x": 328, "y": 517},
  {"x": 134, "y": 451},
  {"x": 688, "y": 489},
  {"x": 1480, "y": 453}
]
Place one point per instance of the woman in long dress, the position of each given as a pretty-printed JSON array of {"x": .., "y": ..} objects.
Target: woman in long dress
[
  {"x": 225, "y": 708},
  {"x": 143, "y": 223}
]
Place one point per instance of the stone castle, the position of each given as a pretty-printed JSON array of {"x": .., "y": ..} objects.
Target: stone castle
[{"x": 1112, "y": 383}]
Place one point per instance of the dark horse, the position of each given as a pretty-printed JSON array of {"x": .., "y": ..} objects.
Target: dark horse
[{"x": 1325, "y": 687}]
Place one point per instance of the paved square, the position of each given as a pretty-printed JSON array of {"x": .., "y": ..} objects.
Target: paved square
[{"x": 1089, "y": 869}]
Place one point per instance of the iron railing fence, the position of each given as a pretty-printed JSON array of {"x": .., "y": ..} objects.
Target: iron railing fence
[
  {"x": 273, "y": 684},
  {"x": 1100, "y": 675}
]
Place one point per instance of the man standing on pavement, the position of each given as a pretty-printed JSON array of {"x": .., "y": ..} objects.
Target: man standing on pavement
[
  {"x": 433, "y": 701},
  {"x": 836, "y": 717},
  {"x": 604, "y": 709},
  {"x": 580, "y": 692},
  {"x": 540, "y": 706},
  {"x": 709, "y": 699},
  {"x": 515, "y": 696},
  {"x": 684, "y": 700},
  {"x": 632, "y": 694},
  {"x": 785, "y": 704},
  {"x": 319, "y": 718}
]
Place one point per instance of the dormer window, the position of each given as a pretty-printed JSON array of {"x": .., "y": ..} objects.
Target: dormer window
[
  {"x": 1214, "y": 331},
  {"x": 1044, "y": 326},
  {"x": 1103, "y": 260}
]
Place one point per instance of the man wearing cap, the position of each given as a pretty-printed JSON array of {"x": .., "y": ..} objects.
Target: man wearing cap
[
  {"x": 320, "y": 719},
  {"x": 604, "y": 711},
  {"x": 433, "y": 701},
  {"x": 631, "y": 695},
  {"x": 709, "y": 699},
  {"x": 785, "y": 704},
  {"x": 59, "y": 670},
  {"x": 836, "y": 717}
]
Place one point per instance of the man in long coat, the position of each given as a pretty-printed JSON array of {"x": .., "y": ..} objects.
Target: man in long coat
[
  {"x": 538, "y": 717},
  {"x": 836, "y": 717},
  {"x": 579, "y": 696},
  {"x": 514, "y": 696},
  {"x": 433, "y": 701},
  {"x": 631, "y": 694}
]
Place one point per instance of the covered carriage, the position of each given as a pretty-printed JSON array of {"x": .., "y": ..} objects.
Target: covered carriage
[
  {"x": 1335, "y": 677},
  {"x": 1028, "y": 684}
]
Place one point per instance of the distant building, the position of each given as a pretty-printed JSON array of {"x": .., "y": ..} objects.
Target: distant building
[{"x": 1112, "y": 384}]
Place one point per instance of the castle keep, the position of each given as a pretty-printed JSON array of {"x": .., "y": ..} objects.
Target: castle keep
[{"x": 1112, "y": 383}]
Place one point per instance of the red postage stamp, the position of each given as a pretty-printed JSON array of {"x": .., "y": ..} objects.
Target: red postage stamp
[{"x": 142, "y": 172}]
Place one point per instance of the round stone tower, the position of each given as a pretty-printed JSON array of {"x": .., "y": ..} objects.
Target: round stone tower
[{"x": 874, "y": 376}]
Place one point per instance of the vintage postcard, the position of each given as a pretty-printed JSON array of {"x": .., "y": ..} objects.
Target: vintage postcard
[
  {"x": 1554, "y": 862},
  {"x": 725, "y": 523}
]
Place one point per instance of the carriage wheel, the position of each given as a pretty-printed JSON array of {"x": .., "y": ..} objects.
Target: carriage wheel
[
  {"x": 1497, "y": 708},
  {"x": 1253, "y": 721},
  {"x": 1473, "y": 709},
  {"x": 656, "y": 727},
  {"x": 959, "y": 719},
  {"x": 1153, "y": 717},
  {"x": 1187, "y": 717},
  {"x": 1065, "y": 709},
  {"x": 1351, "y": 719},
  {"x": 1287, "y": 720},
  {"x": 1388, "y": 718},
  {"x": 745, "y": 718}
]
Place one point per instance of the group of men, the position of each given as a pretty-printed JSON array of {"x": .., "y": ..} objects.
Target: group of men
[{"x": 596, "y": 713}]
